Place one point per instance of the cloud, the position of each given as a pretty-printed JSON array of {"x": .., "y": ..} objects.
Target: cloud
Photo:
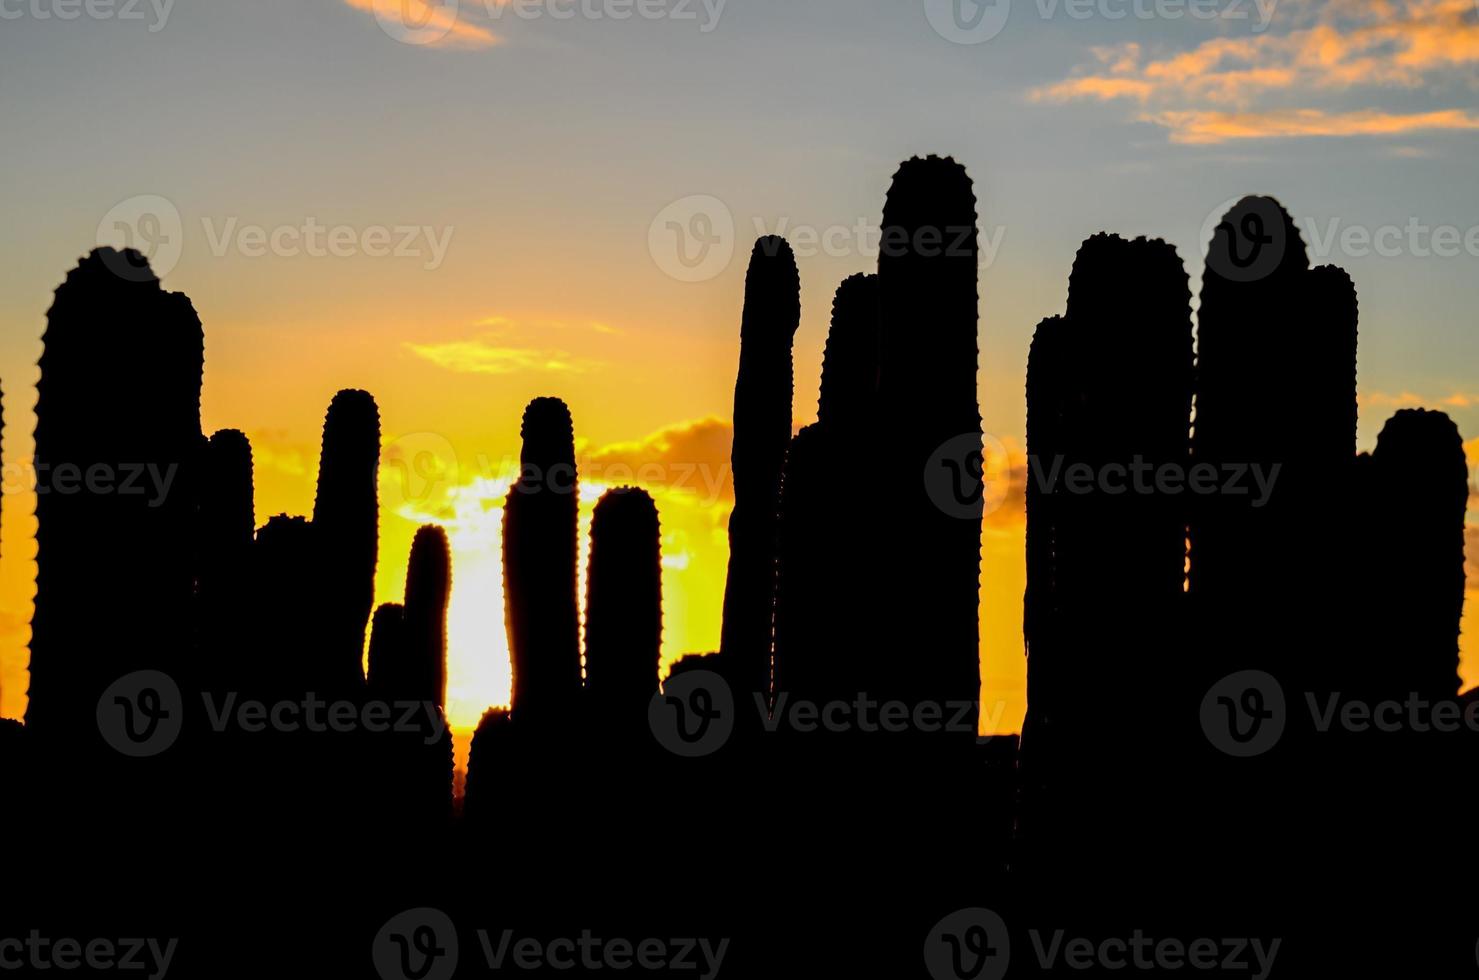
[
  {"x": 504, "y": 348},
  {"x": 1237, "y": 88},
  {"x": 689, "y": 457},
  {"x": 1407, "y": 399},
  {"x": 1201, "y": 128},
  {"x": 426, "y": 22}
]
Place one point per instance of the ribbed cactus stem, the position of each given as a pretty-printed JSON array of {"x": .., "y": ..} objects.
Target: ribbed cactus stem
[
  {"x": 849, "y": 386},
  {"x": 119, "y": 398},
  {"x": 540, "y": 523},
  {"x": 762, "y": 430},
  {"x": 928, "y": 266},
  {"x": 623, "y": 612},
  {"x": 1109, "y": 388},
  {"x": 489, "y": 781},
  {"x": 287, "y": 603},
  {"x": 346, "y": 516},
  {"x": 1421, "y": 478},
  {"x": 428, "y": 590},
  {"x": 387, "y": 651},
  {"x": 227, "y": 514}
]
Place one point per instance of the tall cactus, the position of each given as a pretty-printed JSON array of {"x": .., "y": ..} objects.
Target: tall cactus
[
  {"x": 289, "y": 612},
  {"x": 387, "y": 651},
  {"x": 1420, "y": 491},
  {"x": 1276, "y": 389},
  {"x": 428, "y": 590},
  {"x": 814, "y": 659},
  {"x": 539, "y": 567},
  {"x": 825, "y": 572},
  {"x": 849, "y": 388},
  {"x": 490, "y": 779},
  {"x": 623, "y": 610},
  {"x": 118, "y": 399},
  {"x": 346, "y": 517},
  {"x": 1249, "y": 395},
  {"x": 1109, "y": 388},
  {"x": 762, "y": 430},
  {"x": 927, "y": 274},
  {"x": 227, "y": 525}
]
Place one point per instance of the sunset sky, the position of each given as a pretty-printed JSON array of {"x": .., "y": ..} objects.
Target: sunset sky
[{"x": 522, "y": 170}]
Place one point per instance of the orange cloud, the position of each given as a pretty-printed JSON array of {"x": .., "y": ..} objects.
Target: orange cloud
[
  {"x": 689, "y": 456},
  {"x": 1219, "y": 90},
  {"x": 500, "y": 350},
  {"x": 426, "y": 22},
  {"x": 1200, "y": 128}
]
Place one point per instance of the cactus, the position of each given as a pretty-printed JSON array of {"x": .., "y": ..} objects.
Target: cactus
[
  {"x": 487, "y": 767},
  {"x": 387, "y": 651},
  {"x": 927, "y": 272},
  {"x": 1276, "y": 387},
  {"x": 1420, "y": 485},
  {"x": 1109, "y": 386},
  {"x": 408, "y": 670},
  {"x": 828, "y": 544},
  {"x": 811, "y": 659},
  {"x": 623, "y": 611},
  {"x": 428, "y": 590},
  {"x": 762, "y": 431},
  {"x": 346, "y": 518},
  {"x": 539, "y": 567},
  {"x": 290, "y": 618},
  {"x": 1249, "y": 400},
  {"x": 849, "y": 386},
  {"x": 227, "y": 523},
  {"x": 119, "y": 398},
  {"x": 1041, "y": 616}
]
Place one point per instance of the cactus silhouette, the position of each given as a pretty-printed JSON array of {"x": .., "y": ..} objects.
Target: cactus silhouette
[
  {"x": 490, "y": 779},
  {"x": 387, "y": 650},
  {"x": 118, "y": 395},
  {"x": 1420, "y": 487},
  {"x": 287, "y": 594},
  {"x": 227, "y": 525},
  {"x": 762, "y": 430},
  {"x": 1248, "y": 399},
  {"x": 1276, "y": 389},
  {"x": 408, "y": 670},
  {"x": 927, "y": 271},
  {"x": 623, "y": 610},
  {"x": 825, "y": 572},
  {"x": 812, "y": 661},
  {"x": 428, "y": 590},
  {"x": 540, "y": 521},
  {"x": 849, "y": 388},
  {"x": 346, "y": 520},
  {"x": 1109, "y": 390}
]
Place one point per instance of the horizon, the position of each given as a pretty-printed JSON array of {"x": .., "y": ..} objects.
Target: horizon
[{"x": 559, "y": 270}]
